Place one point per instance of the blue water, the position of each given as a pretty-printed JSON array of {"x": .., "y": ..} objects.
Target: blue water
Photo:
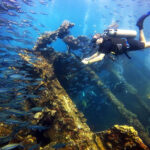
[{"x": 89, "y": 17}]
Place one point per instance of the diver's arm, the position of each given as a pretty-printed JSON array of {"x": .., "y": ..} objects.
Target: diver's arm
[
  {"x": 85, "y": 60},
  {"x": 97, "y": 58},
  {"x": 94, "y": 58}
]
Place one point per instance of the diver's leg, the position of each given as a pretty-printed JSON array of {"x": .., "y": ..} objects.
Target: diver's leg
[
  {"x": 141, "y": 32},
  {"x": 143, "y": 40},
  {"x": 141, "y": 36}
]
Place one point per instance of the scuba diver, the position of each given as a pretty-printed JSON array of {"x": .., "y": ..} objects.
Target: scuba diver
[{"x": 117, "y": 42}]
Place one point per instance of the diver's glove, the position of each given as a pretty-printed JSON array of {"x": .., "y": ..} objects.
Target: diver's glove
[{"x": 141, "y": 20}]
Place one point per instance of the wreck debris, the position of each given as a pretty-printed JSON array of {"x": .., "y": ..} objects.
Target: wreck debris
[
  {"x": 63, "y": 117},
  {"x": 66, "y": 124},
  {"x": 131, "y": 118},
  {"x": 130, "y": 89},
  {"x": 46, "y": 38},
  {"x": 49, "y": 37},
  {"x": 76, "y": 43},
  {"x": 72, "y": 42},
  {"x": 63, "y": 30},
  {"x": 129, "y": 138}
]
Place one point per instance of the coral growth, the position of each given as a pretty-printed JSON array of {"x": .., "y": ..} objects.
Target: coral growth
[
  {"x": 122, "y": 137},
  {"x": 49, "y": 37},
  {"x": 60, "y": 123}
]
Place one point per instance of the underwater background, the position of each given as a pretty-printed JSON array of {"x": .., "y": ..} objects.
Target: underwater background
[{"x": 126, "y": 80}]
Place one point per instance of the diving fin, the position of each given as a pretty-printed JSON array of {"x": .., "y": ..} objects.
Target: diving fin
[{"x": 141, "y": 20}]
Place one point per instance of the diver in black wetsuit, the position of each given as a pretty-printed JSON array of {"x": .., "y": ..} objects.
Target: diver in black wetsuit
[{"x": 118, "y": 45}]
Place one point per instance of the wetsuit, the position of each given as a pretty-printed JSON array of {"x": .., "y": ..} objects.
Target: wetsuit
[{"x": 119, "y": 46}]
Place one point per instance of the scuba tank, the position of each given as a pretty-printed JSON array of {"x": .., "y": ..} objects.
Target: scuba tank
[{"x": 120, "y": 33}]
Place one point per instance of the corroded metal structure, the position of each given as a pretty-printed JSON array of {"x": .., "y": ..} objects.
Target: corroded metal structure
[
  {"x": 68, "y": 125},
  {"x": 65, "y": 124}
]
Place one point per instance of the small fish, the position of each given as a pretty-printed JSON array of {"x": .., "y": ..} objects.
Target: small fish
[
  {"x": 16, "y": 76},
  {"x": 30, "y": 65},
  {"x": 28, "y": 42},
  {"x": 30, "y": 17},
  {"x": 33, "y": 12},
  {"x": 41, "y": 88},
  {"x": 26, "y": 21},
  {"x": 13, "y": 122},
  {"x": 39, "y": 79},
  {"x": 2, "y": 51},
  {"x": 4, "y": 116},
  {"x": 3, "y": 8},
  {"x": 83, "y": 93},
  {"x": 36, "y": 29},
  {"x": 36, "y": 109},
  {"x": 10, "y": 6},
  {"x": 2, "y": 20},
  {"x": 17, "y": 122},
  {"x": 93, "y": 93},
  {"x": 43, "y": 13},
  {"x": 28, "y": 78},
  {"x": 32, "y": 96},
  {"x": 59, "y": 145},
  {"x": 12, "y": 14},
  {"x": 42, "y": 2},
  {"x": 17, "y": 112},
  {"x": 34, "y": 83},
  {"x": 4, "y": 90},
  {"x": 37, "y": 127},
  {"x": 28, "y": 2},
  {"x": 114, "y": 25},
  {"x": 11, "y": 146},
  {"x": 42, "y": 25},
  {"x": 6, "y": 38},
  {"x": 5, "y": 139},
  {"x": 34, "y": 147}
]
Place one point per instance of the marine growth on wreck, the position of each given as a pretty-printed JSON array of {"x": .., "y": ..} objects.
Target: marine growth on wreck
[
  {"x": 50, "y": 100},
  {"x": 49, "y": 118}
]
